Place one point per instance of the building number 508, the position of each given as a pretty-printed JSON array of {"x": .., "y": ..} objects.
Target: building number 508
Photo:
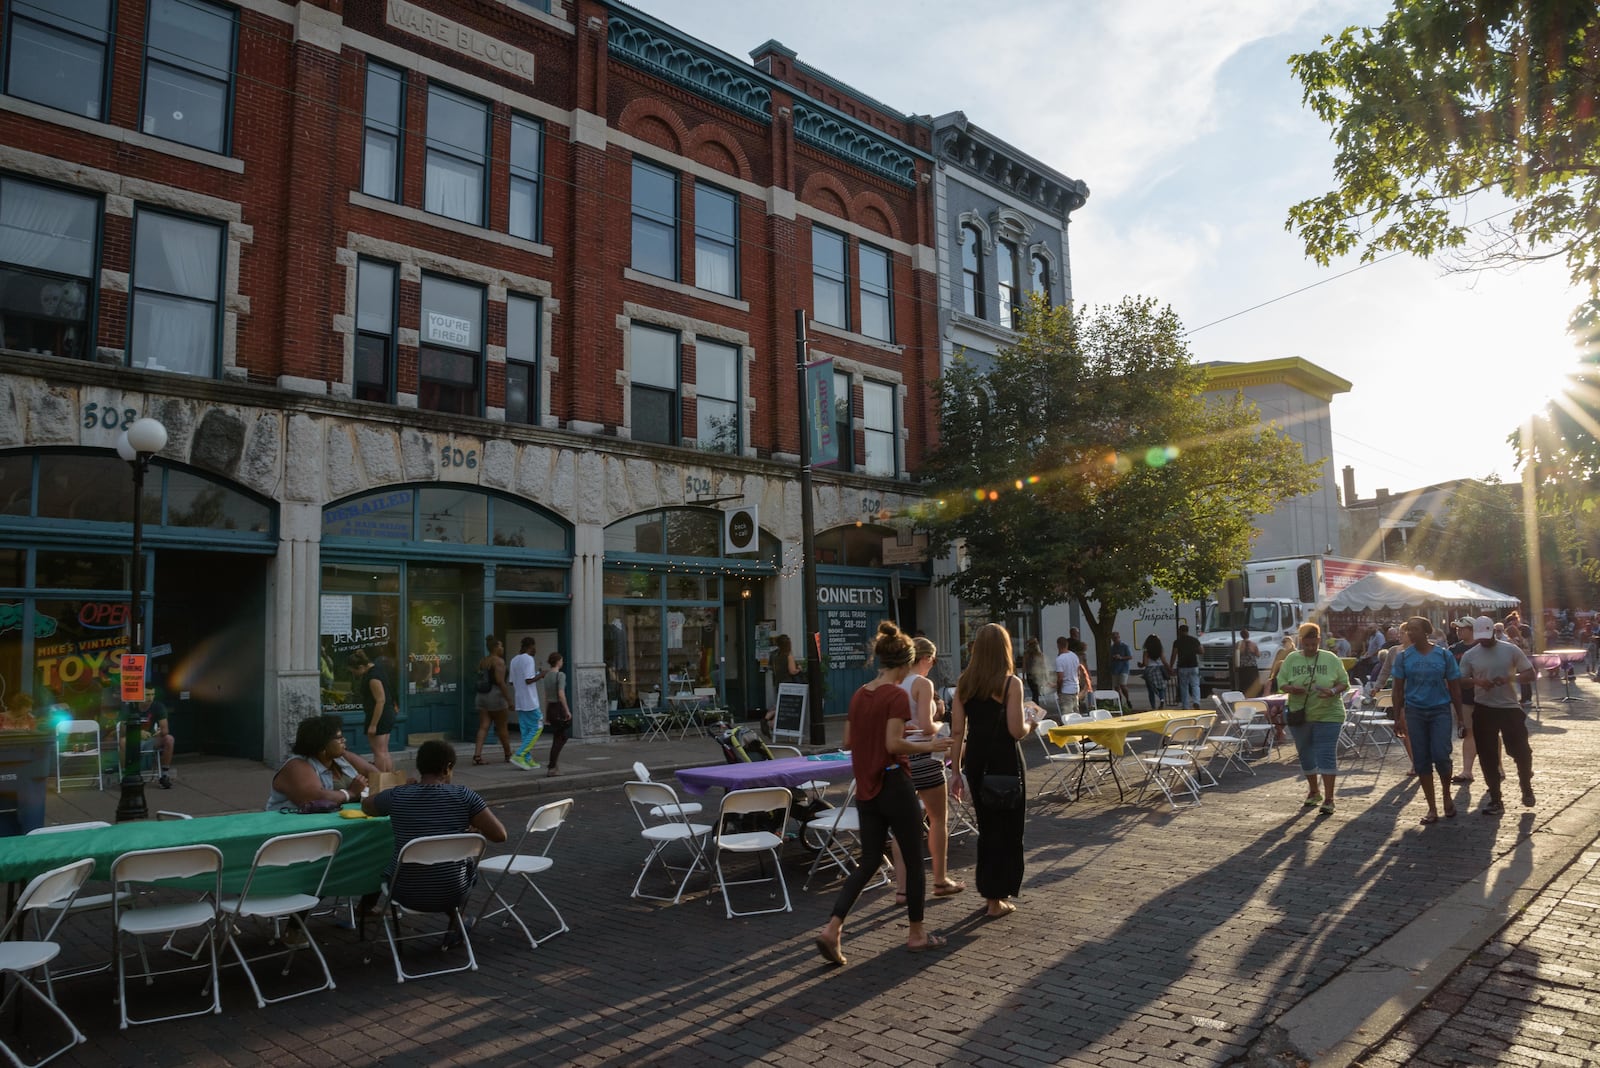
[{"x": 107, "y": 418}]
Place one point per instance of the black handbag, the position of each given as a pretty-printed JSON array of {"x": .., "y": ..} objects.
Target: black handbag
[
  {"x": 1295, "y": 717},
  {"x": 1001, "y": 791}
]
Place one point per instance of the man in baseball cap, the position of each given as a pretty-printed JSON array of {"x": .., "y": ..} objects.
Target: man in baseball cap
[{"x": 1489, "y": 669}]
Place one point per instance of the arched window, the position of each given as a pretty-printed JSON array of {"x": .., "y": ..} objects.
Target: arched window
[
  {"x": 972, "y": 271},
  {"x": 1005, "y": 259},
  {"x": 1041, "y": 277}
]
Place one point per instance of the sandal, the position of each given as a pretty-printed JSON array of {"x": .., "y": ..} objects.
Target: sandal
[
  {"x": 1430, "y": 818},
  {"x": 948, "y": 888},
  {"x": 1313, "y": 801},
  {"x": 830, "y": 951},
  {"x": 934, "y": 941},
  {"x": 1327, "y": 808},
  {"x": 478, "y": 758},
  {"x": 1006, "y": 909},
  {"x": 1461, "y": 780}
]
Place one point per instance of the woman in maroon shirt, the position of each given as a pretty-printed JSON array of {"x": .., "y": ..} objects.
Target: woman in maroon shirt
[{"x": 885, "y": 798}]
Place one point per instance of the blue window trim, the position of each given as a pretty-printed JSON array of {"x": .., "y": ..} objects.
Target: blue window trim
[{"x": 391, "y": 549}]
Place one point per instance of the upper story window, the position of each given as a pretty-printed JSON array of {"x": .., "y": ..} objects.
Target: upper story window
[
  {"x": 877, "y": 421},
  {"x": 375, "y": 333},
  {"x": 527, "y": 152},
  {"x": 450, "y": 356},
  {"x": 830, "y": 296},
  {"x": 655, "y": 220},
  {"x": 522, "y": 359},
  {"x": 58, "y": 54},
  {"x": 47, "y": 266},
  {"x": 1005, "y": 270},
  {"x": 844, "y": 422},
  {"x": 1041, "y": 278},
  {"x": 177, "y": 293},
  {"x": 877, "y": 297},
  {"x": 188, "y": 72},
  {"x": 972, "y": 294},
  {"x": 383, "y": 144},
  {"x": 458, "y": 151},
  {"x": 716, "y": 240},
  {"x": 654, "y": 358},
  {"x": 716, "y": 383}
]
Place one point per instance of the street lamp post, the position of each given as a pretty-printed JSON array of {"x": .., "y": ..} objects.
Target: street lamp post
[{"x": 137, "y": 445}]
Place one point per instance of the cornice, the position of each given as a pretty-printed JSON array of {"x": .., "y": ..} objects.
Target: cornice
[
  {"x": 1291, "y": 371},
  {"x": 875, "y": 154},
  {"x": 996, "y": 163},
  {"x": 725, "y": 83}
]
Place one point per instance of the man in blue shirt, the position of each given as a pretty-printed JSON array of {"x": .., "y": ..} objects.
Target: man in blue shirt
[{"x": 1121, "y": 667}]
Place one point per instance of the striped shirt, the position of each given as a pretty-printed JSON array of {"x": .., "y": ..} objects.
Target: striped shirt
[{"x": 418, "y": 810}]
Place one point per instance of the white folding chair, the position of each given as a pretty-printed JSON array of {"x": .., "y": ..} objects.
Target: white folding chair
[
  {"x": 411, "y": 877},
  {"x": 688, "y": 808},
  {"x": 81, "y": 903},
  {"x": 52, "y": 893},
  {"x": 78, "y": 743},
  {"x": 1060, "y": 759},
  {"x": 1174, "y": 768},
  {"x": 1253, "y": 723},
  {"x": 310, "y": 848},
  {"x": 136, "y": 920},
  {"x": 763, "y": 800},
  {"x": 660, "y": 719},
  {"x": 525, "y": 864},
  {"x": 837, "y": 832},
  {"x": 1228, "y": 742},
  {"x": 671, "y": 827},
  {"x": 1108, "y": 699}
]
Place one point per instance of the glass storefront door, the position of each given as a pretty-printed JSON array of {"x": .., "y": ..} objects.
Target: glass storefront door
[{"x": 435, "y": 644}]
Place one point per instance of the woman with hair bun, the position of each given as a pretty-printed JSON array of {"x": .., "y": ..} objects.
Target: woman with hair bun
[{"x": 875, "y": 733}]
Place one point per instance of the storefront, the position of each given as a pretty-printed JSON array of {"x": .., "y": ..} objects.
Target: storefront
[
  {"x": 65, "y": 544},
  {"x": 856, "y": 592},
  {"x": 681, "y": 614},
  {"x": 419, "y": 575}
]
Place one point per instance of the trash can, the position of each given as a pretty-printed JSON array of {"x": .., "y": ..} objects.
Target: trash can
[{"x": 25, "y": 764}]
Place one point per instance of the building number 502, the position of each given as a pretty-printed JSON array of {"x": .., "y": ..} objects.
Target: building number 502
[{"x": 107, "y": 418}]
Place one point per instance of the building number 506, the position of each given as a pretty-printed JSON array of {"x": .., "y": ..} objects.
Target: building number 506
[
  {"x": 453, "y": 457},
  {"x": 107, "y": 418}
]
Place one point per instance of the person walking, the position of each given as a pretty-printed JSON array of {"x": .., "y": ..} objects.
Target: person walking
[
  {"x": 1155, "y": 672},
  {"x": 1186, "y": 659},
  {"x": 557, "y": 713},
  {"x": 1068, "y": 676},
  {"x": 1426, "y": 685},
  {"x": 525, "y": 676},
  {"x": 378, "y": 703},
  {"x": 886, "y": 802},
  {"x": 1121, "y": 668},
  {"x": 1033, "y": 669},
  {"x": 494, "y": 698},
  {"x": 987, "y": 723},
  {"x": 927, "y": 774},
  {"x": 1491, "y": 667},
  {"x": 1315, "y": 681}
]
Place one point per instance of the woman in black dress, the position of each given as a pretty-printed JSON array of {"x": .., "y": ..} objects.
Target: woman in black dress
[{"x": 986, "y": 722}]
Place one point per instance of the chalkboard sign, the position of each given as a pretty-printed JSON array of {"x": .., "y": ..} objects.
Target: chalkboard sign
[{"x": 791, "y": 719}]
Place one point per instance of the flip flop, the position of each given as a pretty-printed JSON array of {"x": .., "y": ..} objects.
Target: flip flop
[
  {"x": 1461, "y": 780},
  {"x": 1450, "y": 813},
  {"x": 1006, "y": 909},
  {"x": 830, "y": 950},
  {"x": 935, "y": 941},
  {"x": 1312, "y": 802},
  {"x": 947, "y": 889},
  {"x": 477, "y": 759},
  {"x": 1429, "y": 819}
]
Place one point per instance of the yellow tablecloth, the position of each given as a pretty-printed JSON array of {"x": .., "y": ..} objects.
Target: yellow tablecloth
[{"x": 1113, "y": 733}]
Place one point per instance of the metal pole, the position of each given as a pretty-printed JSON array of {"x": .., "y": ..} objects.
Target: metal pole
[
  {"x": 808, "y": 540},
  {"x": 131, "y": 805}
]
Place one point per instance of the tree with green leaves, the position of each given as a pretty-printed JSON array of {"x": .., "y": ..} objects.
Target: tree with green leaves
[
  {"x": 1085, "y": 466},
  {"x": 1450, "y": 99}
]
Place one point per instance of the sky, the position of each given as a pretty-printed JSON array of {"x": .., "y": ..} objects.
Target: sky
[{"x": 1186, "y": 123}]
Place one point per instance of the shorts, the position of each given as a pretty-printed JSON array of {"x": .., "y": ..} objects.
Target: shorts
[
  {"x": 493, "y": 702},
  {"x": 927, "y": 771},
  {"x": 385, "y": 723},
  {"x": 1119, "y": 678}
]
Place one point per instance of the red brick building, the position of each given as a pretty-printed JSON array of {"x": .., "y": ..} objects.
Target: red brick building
[{"x": 464, "y": 318}]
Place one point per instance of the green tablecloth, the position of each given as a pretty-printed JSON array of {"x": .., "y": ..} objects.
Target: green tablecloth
[{"x": 357, "y": 869}]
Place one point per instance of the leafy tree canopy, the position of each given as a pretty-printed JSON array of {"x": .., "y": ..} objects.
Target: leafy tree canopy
[
  {"x": 1085, "y": 466},
  {"x": 1448, "y": 99}
]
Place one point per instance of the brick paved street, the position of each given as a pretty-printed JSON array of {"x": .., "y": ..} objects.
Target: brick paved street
[{"x": 1143, "y": 938}]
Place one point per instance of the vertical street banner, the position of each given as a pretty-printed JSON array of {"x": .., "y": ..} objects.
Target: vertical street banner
[{"x": 819, "y": 413}]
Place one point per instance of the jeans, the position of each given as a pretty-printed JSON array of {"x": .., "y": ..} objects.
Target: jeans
[
  {"x": 1318, "y": 745},
  {"x": 1189, "y": 687},
  {"x": 1431, "y": 742},
  {"x": 1155, "y": 684}
]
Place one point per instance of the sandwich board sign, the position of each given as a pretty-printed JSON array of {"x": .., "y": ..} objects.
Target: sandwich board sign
[{"x": 790, "y": 722}]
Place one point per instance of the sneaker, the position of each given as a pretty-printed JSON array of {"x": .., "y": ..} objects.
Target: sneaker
[
  {"x": 165, "y": 781},
  {"x": 522, "y": 762},
  {"x": 1527, "y": 797},
  {"x": 1493, "y": 807}
]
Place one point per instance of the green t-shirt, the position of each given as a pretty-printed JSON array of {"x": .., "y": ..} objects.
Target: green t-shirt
[{"x": 1324, "y": 669}]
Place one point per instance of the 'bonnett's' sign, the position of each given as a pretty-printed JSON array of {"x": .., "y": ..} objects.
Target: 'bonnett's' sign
[{"x": 460, "y": 38}]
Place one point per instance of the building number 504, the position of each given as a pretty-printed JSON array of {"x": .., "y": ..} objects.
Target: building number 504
[{"x": 107, "y": 418}]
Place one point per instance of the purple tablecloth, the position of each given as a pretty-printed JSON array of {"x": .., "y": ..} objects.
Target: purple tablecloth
[{"x": 790, "y": 772}]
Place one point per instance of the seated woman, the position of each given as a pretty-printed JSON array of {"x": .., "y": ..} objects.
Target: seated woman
[
  {"x": 320, "y": 769},
  {"x": 434, "y": 805}
]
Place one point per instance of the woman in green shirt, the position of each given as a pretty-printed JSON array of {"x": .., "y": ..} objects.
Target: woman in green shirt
[{"x": 1315, "y": 681}]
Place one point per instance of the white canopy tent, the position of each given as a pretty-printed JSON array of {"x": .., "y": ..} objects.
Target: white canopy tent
[{"x": 1395, "y": 590}]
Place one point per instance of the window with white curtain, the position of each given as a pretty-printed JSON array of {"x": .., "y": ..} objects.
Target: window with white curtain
[
  {"x": 716, "y": 240},
  {"x": 844, "y": 422},
  {"x": 47, "y": 260},
  {"x": 972, "y": 287},
  {"x": 877, "y": 296},
  {"x": 450, "y": 352},
  {"x": 375, "y": 321},
  {"x": 655, "y": 221},
  {"x": 716, "y": 384},
  {"x": 58, "y": 52},
  {"x": 177, "y": 293},
  {"x": 522, "y": 359},
  {"x": 1005, "y": 275},
  {"x": 188, "y": 72},
  {"x": 383, "y": 144},
  {"x": 877, "y": 421},
  {"x": 527, "y": 148},
  {"x": 830, "y": 296},
  {"x": 653, "y": 357},
  {"x": 458, "y": 150}
]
